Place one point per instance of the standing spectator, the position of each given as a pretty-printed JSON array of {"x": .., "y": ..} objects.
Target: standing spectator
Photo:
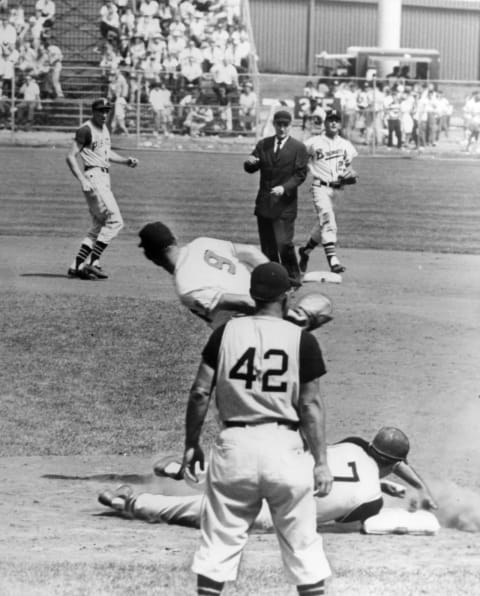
[
  {"x": 47, "y": 11},
  {"x": 374, "y": 115},
  {"x": 445, "y": 110},
  {"x": 176, "y": 43},
  {"x": 8, "y": 34},
  {"x": 393, "y": 115},
  {"x": 120, "y": 107},
  {"x": 30, "y": 102},
  {"x": 55, "y": 58},
  {"x": 9, "y": 60},
  {"x": 110, "y": 23},
  {"x": 248, "y": 107},
  {"x": 92, "y": 144},
  {"x": 330, "y": 158},
  {"x": 261, "y": 412},
  {"x": 165, "y": 16},
  {"x": 224, "y": 73},
  {"x": 190, "y": 72},
  {"x": 407, "y": 110},
  {"x": 127, "y": 23},
  {"x": 160, "y": 100},
  {"x": 282, "y": 162}
]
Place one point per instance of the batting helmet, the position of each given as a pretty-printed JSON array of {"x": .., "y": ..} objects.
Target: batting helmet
[{"x": 391, "y": 443}]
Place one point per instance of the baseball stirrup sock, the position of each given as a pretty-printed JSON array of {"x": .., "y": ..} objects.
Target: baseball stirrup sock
[
  {"x": 97, "y": 251},
  {"x": 208, "y": 587},
  {"x": 330, "y": 251},
  {"x": 82, "y": 255},
  {"x": 317, "y": 589}
]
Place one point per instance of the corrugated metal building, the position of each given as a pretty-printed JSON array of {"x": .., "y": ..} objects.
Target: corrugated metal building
[{"x": 289, "y": 33}]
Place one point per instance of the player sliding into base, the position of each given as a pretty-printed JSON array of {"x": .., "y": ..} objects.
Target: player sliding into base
[
  {"x": 212, "y": 277},
  {"x": 359, "y": 468}
]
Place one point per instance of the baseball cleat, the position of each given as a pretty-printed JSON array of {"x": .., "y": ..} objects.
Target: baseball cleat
[
  {"x": 303, "y": 259},
  {"x": 121, "y": 499},
  {"x": 80, "y": 274},
  {"x": 72, "y": 273},
  {"x": 337, "y": 268},
  {"x": 168, "y": 466},
  {"x": 95, "y": 271}
]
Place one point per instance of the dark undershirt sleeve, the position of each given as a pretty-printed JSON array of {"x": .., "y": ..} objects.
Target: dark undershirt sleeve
[
  {"x": 312, "y": 365},
  {"x": 83, "y": 136},
  {"x": 210, "y": 351}
]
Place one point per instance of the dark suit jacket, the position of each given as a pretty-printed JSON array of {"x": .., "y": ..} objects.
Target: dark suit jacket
[{"x": 289, "y": 169}]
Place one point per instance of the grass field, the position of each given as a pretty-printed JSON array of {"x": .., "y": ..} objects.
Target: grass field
[{"x": 94, "y": 376}]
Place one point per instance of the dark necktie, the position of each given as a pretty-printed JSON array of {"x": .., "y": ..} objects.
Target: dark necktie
[{"x": 277, "y": 149}]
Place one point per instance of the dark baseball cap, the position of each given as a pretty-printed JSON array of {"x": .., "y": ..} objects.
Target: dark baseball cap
[
  {"x": 156, "y": 237},
  {"x": 269, "y": 281},
  {"x": 334, "y": 115},
  {"x": 101, "y": 104},
  {"x": 282, "y": 116}
]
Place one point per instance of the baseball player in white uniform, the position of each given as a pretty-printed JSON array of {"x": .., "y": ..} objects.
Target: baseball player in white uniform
[
  {"x": 359, "y": 470},
  {"x": 265, "y": 372},
  {"x": 92, "y": 144},
  {"x": 330, "y": 158},
  {"x": 212, "y": 277}
]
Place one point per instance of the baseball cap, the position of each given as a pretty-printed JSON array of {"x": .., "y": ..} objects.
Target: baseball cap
[
  {"x": 282, "y": 116},
  {"x": 334, "y": 115},
  {"x": 156, "y": 237},
  {"x": 101, "y": 104},
  {"x": 392, "y": 443},
  {"x": 269, "y": 281}
]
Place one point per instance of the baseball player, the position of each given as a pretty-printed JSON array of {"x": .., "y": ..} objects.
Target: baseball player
[
  {"x": 359, "y": 470},
  {"x": 212, "y": 277},
  {"x": 330, "y": 158},
  {"x": 265, "y": 373},
  {"x": 92, "y": 144}
]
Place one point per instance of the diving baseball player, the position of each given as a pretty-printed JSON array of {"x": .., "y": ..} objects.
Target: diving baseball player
[
  {"x": 359, "y": 470},
  {"x": 92, "y": 144},
  {"x": 330, "y": 158},
  {"x": 212, "y": 277}
]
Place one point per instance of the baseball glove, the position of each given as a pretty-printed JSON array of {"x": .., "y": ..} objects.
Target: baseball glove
[
  {"x": 350, "y": 177},
  {"x": 317, "y": 309}
]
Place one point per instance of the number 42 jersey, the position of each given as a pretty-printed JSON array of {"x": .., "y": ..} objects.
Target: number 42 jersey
[{"x": 206, "y": 269}]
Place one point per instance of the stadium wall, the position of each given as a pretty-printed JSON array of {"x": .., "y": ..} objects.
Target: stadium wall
[{"x": 286, "y": 39}]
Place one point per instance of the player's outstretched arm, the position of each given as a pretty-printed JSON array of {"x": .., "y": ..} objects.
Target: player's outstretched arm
[
  {"x": 249, "y": 254},
  {"x": 411, "y": 477},
  {"x": 129, "y": 161}
]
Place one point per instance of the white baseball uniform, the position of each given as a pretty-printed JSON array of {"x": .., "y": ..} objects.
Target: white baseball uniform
[
  {"x": 107, "y": 220},
  {"x": 206, "y": 269},
  {"x": 258, "y": 361},
  {"x": 355, "y": 495},
  {"x": 329, "y": 158}
]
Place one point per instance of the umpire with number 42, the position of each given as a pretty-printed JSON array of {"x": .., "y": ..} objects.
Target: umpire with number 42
[{"x": 266, "y": 373}]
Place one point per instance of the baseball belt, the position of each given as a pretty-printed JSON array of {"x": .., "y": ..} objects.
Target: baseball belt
[
  {"x": 318, "y": 182},
  {"x": 290, "y": 424},
  {"x": 105, "y": 170}
]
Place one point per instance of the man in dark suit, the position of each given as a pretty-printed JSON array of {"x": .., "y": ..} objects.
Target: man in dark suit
[{"x": 282, "y": 161}]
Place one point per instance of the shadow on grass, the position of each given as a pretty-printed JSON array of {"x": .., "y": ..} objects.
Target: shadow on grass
[
  {"x": 56, "y": 275},
  {"x": 121, "y": 478}
]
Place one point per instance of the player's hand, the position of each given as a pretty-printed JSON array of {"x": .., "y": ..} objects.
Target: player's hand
[
  {"x": 87, "y": 186},
  {"x": 252, "y": 160},
  {"x": 323, "y": 480},
  {"x": 191, "y": 456},
  {"x": 132, "y": 162},
  {"x": 277, "y": 191}
]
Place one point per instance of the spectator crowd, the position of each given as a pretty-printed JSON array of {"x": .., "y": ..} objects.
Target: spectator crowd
[
  {"x": 188, "y": 59},
  {"x": 397, "y": 111}
]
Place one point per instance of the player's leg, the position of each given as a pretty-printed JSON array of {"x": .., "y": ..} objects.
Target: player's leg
[
  {"x": 268, "y": 243},
  {"x": 284, "y": 230},
  {"x": 288, "y": 489}
]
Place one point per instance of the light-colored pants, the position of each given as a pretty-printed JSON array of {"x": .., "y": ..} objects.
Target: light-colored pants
[
  {"x": 325, "y": 228},
  {"x": 107, "y": 220},
  {"x": 248, "y": 465}
]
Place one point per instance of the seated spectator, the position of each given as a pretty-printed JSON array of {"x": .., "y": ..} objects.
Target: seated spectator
[
  {"x": 127, "y": 23},
  {"x": 47, "y": 11},
  {"x": 137, "y": 51},
  {"x": 190, "y": 72},
  {"x": 152, "y": 69},
  {"x": 147, "y": 27},
  {"x": 232, "y": 11},
  {"x": 176, "y": 43},
  {"x": 224, "y": 73},
  {"x": 157, "y": 45},
  {"x": 190, "y": 52},
  {"x": 122, "y": 6},
  {"x": 220, "y": 34},
  {"x": 171, "y": 74},
  {"x": 117, "y": 86},
  {"x": 110, "y": 60},
  {"x": 8, "y": 34},
  {"x": 247, "y": 111},
  {"x": 27, "y": 57},
  {"x": 160, "y": 100},
  {"x": 207, "y": 56},
  {"x": 17, "y": 20},
  {"x": 165, "y": 16},
  {"x": 30, "y": 102},
  {"x": 203, "y": 5},
  {"x": 224, "y": 111},
  {"x": 34, "y": 30},
  {"x": 110, "y": 22},
  {"x": 124, "y": 50},
  {"x": 148, "y": 8},
  {"x": 177, "y": 27},
  {"x": 197, "y": 28},
  {"x": 198, "y": 119},
  {"x": 186, "y": 10},
  {"x": 41, "y": 72}
]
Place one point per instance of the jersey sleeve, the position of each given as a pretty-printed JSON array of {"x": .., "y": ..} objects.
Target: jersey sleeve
[
  {"x": 312, "y": 365},
  {"x": 83, "y": 136},
  {"x": 210, "y": 351}
]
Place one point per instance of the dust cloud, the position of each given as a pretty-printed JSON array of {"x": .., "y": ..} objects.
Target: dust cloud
[{"x": 458, "y": 507}]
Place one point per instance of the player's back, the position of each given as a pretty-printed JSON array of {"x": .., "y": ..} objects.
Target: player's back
[{"x": 356, "y": 481}]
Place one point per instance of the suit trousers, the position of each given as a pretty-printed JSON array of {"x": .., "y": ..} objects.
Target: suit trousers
[{"x": 276, "y": 241}]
